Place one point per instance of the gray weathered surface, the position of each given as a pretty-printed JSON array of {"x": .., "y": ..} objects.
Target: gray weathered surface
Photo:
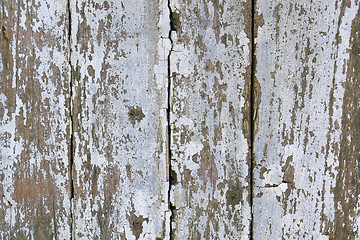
[
  {"x": 34, "y": 120},
  {"x": 119, "y": 59},
  {"x": 307, "y": 144},
  {"x": 210, "y": 77},
  {"x": 88, "y": 119}
]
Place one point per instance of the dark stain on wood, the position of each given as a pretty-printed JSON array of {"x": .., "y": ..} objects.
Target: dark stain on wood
[
  {"x": 135, "y": 114},
  {"x": 175, "y": 23},
  {"x": 233, "y": 195},
  {"x": 136, "y": 224}
]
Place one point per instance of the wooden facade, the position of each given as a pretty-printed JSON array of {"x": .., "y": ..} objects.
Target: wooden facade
[{"x": 179, "y": 119}]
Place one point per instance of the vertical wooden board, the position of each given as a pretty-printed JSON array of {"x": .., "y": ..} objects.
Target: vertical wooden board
[
  {"x": 34, "y": 120},
  {"x": 119, "y": 59},
  {"x": 210, "y": 99},
  {"x": 307, "y": 141}
]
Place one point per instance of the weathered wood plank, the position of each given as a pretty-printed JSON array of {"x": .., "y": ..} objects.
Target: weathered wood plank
[
  {"x": 210, "y": 99},
  {"x": 119, "y": 58},
  {"x": 34, "y": 120},
  {"x": 307, "y": 144}
]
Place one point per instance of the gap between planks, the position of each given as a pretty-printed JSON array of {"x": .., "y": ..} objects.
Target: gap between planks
[
  {"x": 252, "y": 119},
  {"x": 72, "y": 146},
  {"x": 171, "y": 180}
]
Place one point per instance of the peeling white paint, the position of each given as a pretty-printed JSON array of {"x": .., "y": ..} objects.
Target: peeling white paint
[
  {"x": 23, "y": 155},
  {"x": 298, "y": 44},
  {"x": 208, "y": 144},
  {"x": 128, "y": 42}
]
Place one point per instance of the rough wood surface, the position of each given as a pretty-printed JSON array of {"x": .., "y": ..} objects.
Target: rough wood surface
[
  {"x": 210, "y": 89},
  {"x": 307, "y": 143},
  {"x": 34, "y": 120},
  {"x": 119, "y": 59},
  {"x": 109, "y": 108}
]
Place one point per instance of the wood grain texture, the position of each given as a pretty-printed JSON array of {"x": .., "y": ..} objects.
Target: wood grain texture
[
  {"x": 34, "y": 120},
  {"x": 119, "y": 59},
  {"x": 110, "y": 107},
  {"x": 307, "y": 143},
  {"x": 210, "y": 84}
]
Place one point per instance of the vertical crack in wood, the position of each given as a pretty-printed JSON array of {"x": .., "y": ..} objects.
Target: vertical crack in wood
[
  {"x": 171, "y": 180},
  {"x": 252, "y": 119},
  {"x": 71, "y": 157}
]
